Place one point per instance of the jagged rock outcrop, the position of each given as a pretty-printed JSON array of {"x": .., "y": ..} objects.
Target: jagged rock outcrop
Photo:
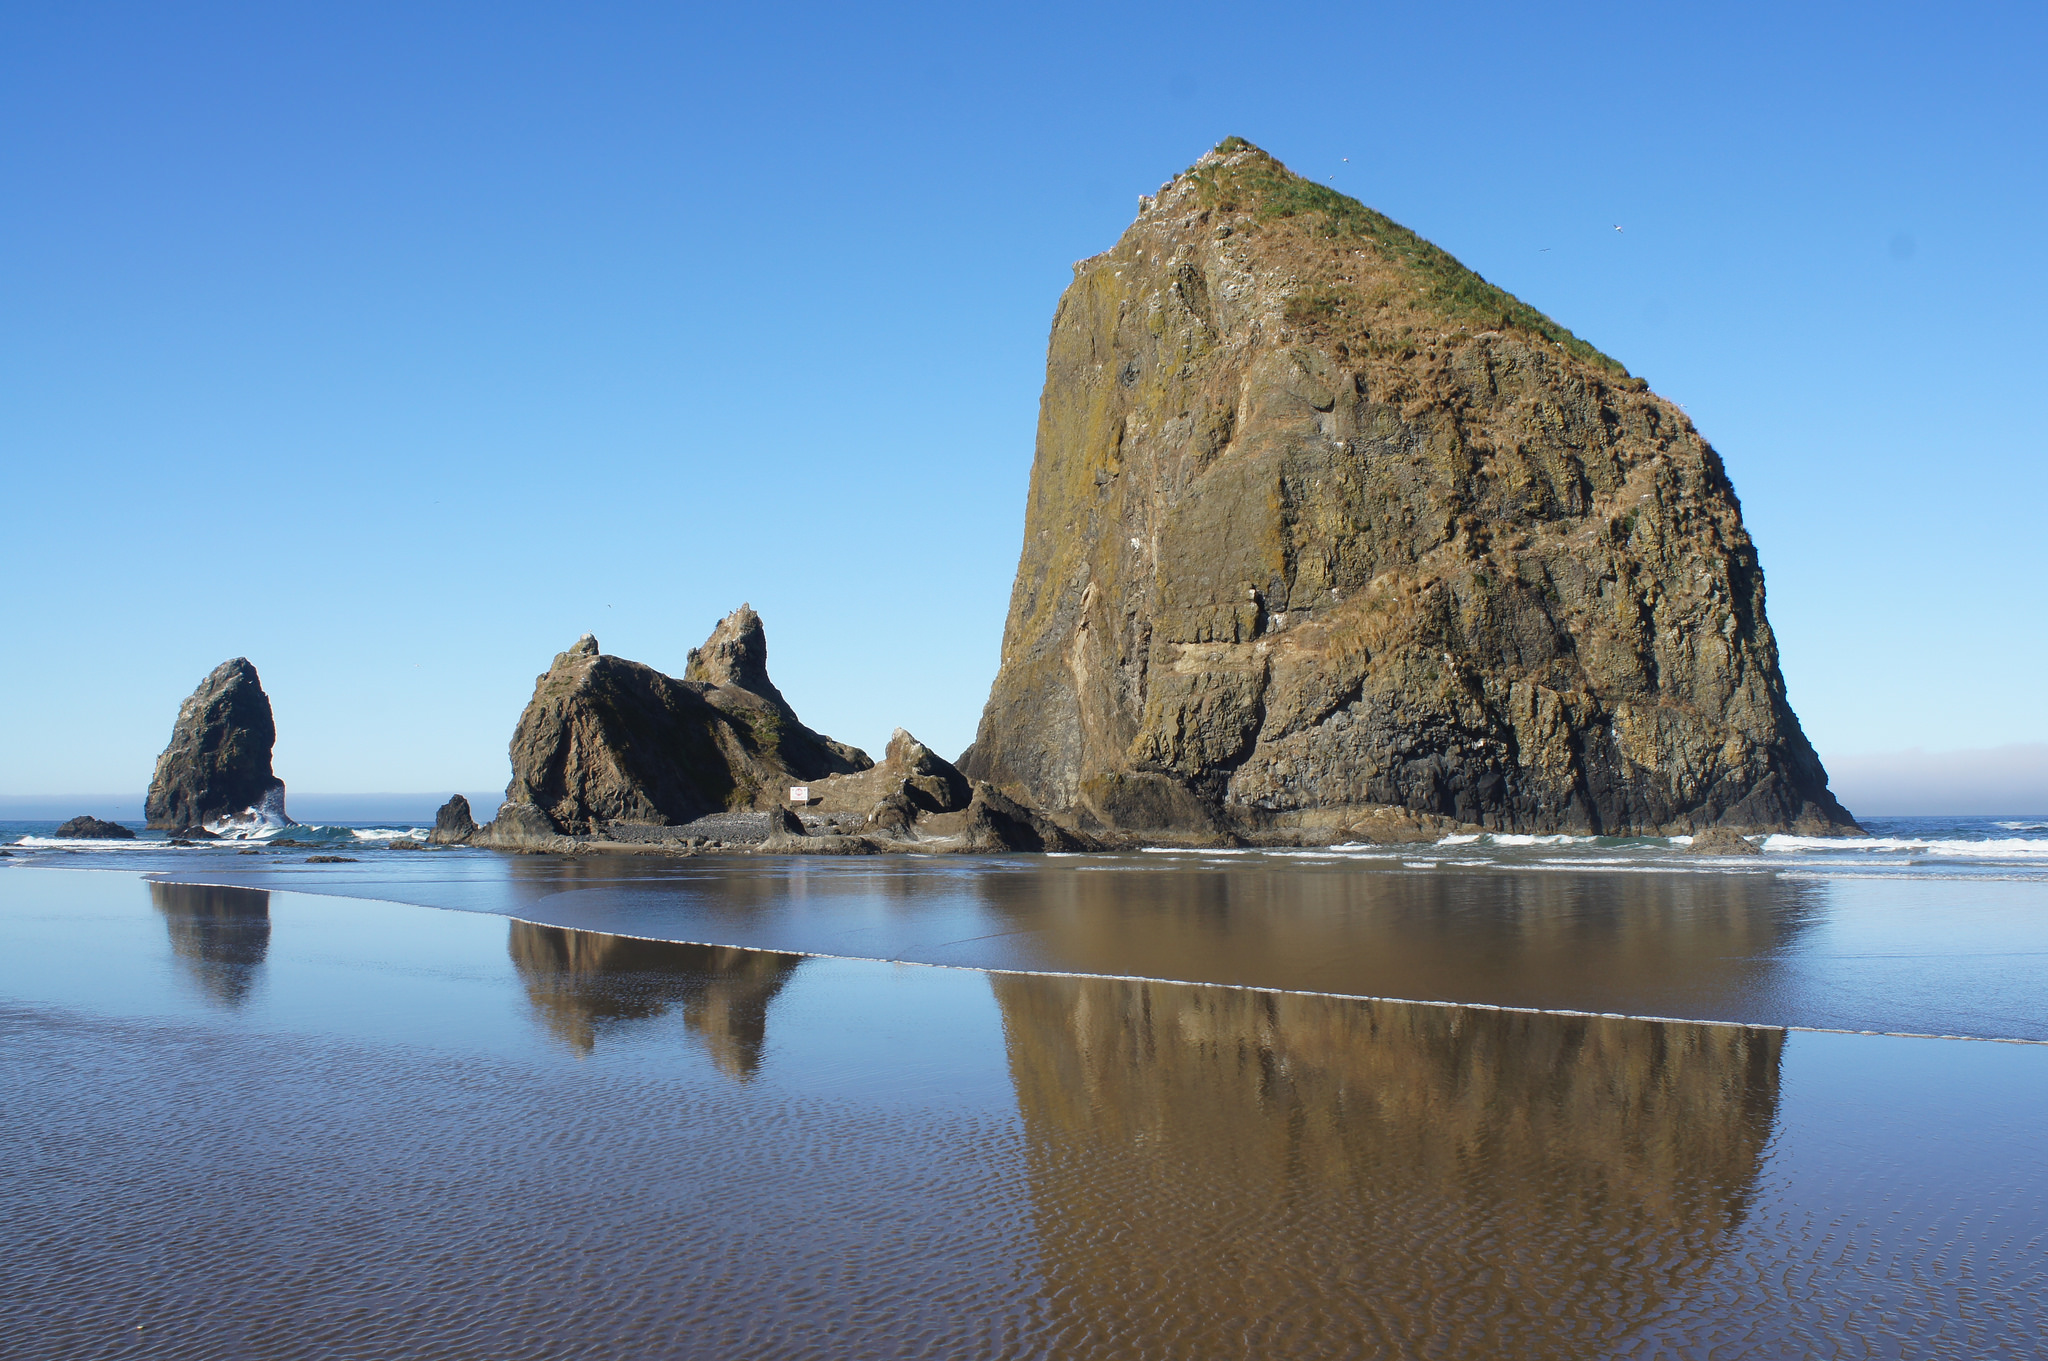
[
  {"x": 1722, "y": 841},
  {"x": 1322, "y": 524},
  {"x": 454, "y": 824},
  {"x": 606, "y": 740},
  {"x": 518, "y": 826},
  {"x": 910, "y": 780},
  {"x": 995, "y": 822},
  {"x": 88, "y": 828},
  {"x": 218, "y": 761}
]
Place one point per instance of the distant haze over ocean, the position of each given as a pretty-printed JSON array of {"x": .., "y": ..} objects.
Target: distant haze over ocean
[
  {"x": 1986, "y": 780},
  {"x": 2008, "y": 779},
  {"x": 309, "y": 808}
]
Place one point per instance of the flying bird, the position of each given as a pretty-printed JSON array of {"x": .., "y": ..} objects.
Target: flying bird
[{"x": 1617, "y": 226}]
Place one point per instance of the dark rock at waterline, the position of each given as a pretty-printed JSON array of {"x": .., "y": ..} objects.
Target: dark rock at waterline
[
  {"x": 605, "y": 740},
  {"x": 782, "y": 822},
  {"x": 86, "y": 827},
  {"x": 893, "y": 813},
  {"x": 191, "y": 834},
  {"x": 453, "y": 825},
  {"x": 996, "y": 822},
  {"x": 1721, "y": 841},
  {"x": 518, "y": 826},
  {"x": 330, "y": 860},
  {"x": 218, "y": 760}
]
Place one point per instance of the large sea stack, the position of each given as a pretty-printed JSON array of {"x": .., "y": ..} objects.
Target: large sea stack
[
  {"x": 218, "y": 762},
  {"x": 1322, "y": 524},
  {"x": 606, "y": 740}
]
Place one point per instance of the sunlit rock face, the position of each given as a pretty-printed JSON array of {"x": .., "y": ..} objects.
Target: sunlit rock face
[
  {"x": 221, "y": 935},
  {"x": 1321, "y": 523},
  {"x": 218, "y": 762},
  {"x": 583, "y": 982},
  {"x": 1206, "y": 1162}
]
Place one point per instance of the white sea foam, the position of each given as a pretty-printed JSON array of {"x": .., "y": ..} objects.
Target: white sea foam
[
  {"x": 1997, "y": 848},
  {"x": 261, "y": 820}
]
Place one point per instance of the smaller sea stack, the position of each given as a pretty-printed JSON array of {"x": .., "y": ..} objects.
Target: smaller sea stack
[{"x": 218, "y": 760}]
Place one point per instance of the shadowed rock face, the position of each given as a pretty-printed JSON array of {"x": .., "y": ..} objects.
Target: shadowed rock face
[
  {"x": 453, "y": 824},
  {"x": 607, "y": 740},
  {"x": 582, "y": 981},
  {"x": 1320, "y": 522},
  {"x": 218, "y": 761},
  {"x": 87, "y": 826}
]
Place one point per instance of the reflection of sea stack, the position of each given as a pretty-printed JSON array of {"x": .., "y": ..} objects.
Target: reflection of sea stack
[
  {"x": 1624, "y": 943},
  {"x": 222, "y": 934},
  {"x": 1321, "y": 522},
  {"x": 218, "y": 760},
  {"x": 607, "y": 740},
  {"x": 1446, "y": 1181},
  {"x": 581, "y": 980}
]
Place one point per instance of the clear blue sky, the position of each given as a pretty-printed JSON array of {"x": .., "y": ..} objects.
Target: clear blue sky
[{"x": 395, "y": 346}]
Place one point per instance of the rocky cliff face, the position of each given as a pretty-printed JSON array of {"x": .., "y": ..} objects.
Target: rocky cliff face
[
  {"x": 218, "y": 761},
  {"x": 607, "y": 740},
  {"x": 1322, "y": 523}
]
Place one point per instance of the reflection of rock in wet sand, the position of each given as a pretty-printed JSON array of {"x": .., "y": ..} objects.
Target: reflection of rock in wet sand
[
  {"x": 1632, "y": 943},
  {"x": 581, "y": 981},
  {"x": 221, "y": 934},
  {"x": 1208, "y": 1162}
]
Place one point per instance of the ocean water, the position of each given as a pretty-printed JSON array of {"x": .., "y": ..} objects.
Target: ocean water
[
  {"x": 261, "y": 1120},
  {"x": 1934, "y": 927}
]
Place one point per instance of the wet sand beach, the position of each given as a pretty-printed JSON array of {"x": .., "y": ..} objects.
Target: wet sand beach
[{"x": 260, "y": 1121}]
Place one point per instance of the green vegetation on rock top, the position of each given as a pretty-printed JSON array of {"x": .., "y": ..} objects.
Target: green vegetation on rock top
[{"x": 1250, "y": 180}]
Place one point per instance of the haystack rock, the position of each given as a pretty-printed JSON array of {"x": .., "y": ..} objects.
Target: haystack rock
[
  {"x": 607, "y": 740},
  {"x": 218, "y": 762},
  {"x": 1322, "y": 524}
]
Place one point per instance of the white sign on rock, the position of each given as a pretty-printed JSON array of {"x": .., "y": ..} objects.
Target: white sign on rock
[{"x": 799, "y": 793}]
